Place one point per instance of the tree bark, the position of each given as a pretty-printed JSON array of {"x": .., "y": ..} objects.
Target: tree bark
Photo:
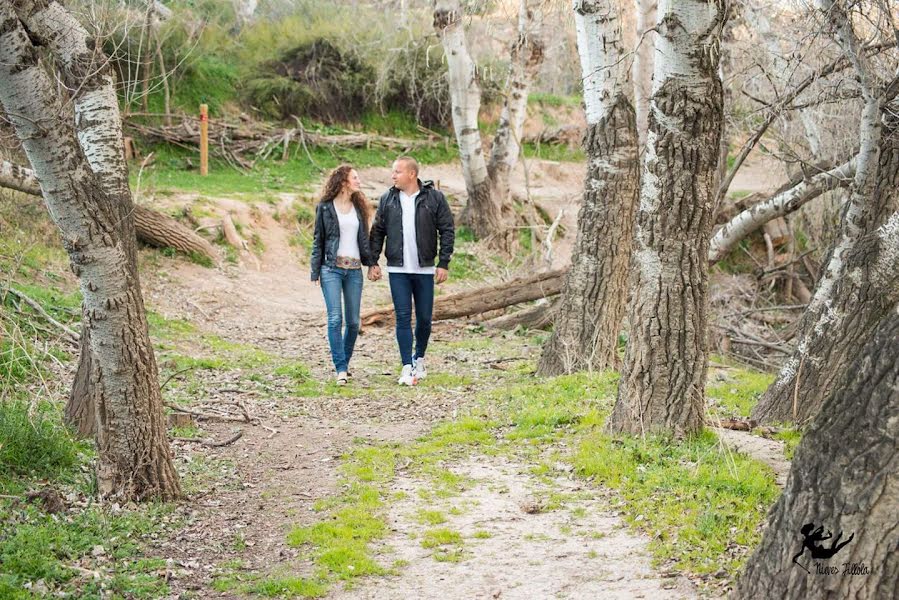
[
  {"x": 859, "y": 287},
  {"x": 586, "y": 326},
  {"x": 861, "y": 280},
  {"x": 481, "y": 300},
  {"x": 643, "y": 64},
  {"x": 134, "y": 457},
  {"x": 783, "y": 203},
  {"x": 663, "y": 378},
  {"x": 526, "y": 57},
  {"x": 844, "y": 479},
  {"x": 483, "y": 212}
]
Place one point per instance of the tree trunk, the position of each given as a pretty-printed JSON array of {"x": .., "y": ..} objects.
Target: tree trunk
[
  {"x": 586, "y": 326},
  {"x": 134, "y": 457},
  {"x": 526, "y": 57},
  {"x": 844, "y": 479},
  {"x": 663, "y": 378},
  {"x": 481, "y": 300},
  {"x": 643, "y": 64},
  {"x": 861, "y": 280},
  {"x": 860, "y": 286},
  {"x": 783, "y": 203},
  {"x": 483, "y": 212}
]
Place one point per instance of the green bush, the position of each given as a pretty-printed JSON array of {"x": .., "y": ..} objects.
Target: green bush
[{"x": 315, "y": 80}]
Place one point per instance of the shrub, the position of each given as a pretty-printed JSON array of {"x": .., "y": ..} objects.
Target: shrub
[{"x": 315, "y": 80}]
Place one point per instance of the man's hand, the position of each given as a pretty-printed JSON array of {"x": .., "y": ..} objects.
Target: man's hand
[
  {"x": 315, "y": 282},
  {"x": 374, "y": 273},
  {"x": 441, "y": 275}
]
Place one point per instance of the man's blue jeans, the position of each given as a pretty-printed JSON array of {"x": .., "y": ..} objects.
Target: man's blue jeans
[
  {"x": 404, "y": 287},
  {"x": 345, "y": 283}
]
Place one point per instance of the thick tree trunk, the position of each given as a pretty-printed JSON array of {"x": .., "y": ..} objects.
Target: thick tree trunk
[
  {"x": 481, "y": 300},
  {"x": 483, "y": 212},
  {"x": 844, "y": 479},
  {"x": 526, "y": 57},
  {"x": 134, "y": 458},
  {"x": 783, "y": 203},
  {"x": 861, "y": 280},
  {"x": 586, "y": 326},
  {"x": 851, "y": 299},
  {"x": 663, "y": 378}
]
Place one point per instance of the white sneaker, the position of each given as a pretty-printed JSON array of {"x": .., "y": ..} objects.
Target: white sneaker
[
  {"x": 408, "y": 376},
  {"x": 420, "y": 371}
]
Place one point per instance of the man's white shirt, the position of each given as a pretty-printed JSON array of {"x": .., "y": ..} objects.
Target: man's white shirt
[{"x": 410, "y": 245}]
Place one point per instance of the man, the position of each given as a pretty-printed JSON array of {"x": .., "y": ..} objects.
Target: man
[{"x": 411, "y": 216}]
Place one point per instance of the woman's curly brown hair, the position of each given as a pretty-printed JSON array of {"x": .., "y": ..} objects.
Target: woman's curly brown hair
[{"x": 333, "y": 187}]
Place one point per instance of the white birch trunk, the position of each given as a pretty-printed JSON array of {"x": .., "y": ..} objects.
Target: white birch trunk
[
  {"x": 482, "y": 213},
  {"x": 663, "y": 379},
  {"x": 753, "y": 218},
  {"x": 643, "y": 63},
  {"x": 587, "y": 323},
  {"x": 526, "y": 57},
  {"x": 134, "y": 457}
]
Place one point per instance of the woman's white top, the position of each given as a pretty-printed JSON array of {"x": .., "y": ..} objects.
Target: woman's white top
[{"x": 349, "y": 233}]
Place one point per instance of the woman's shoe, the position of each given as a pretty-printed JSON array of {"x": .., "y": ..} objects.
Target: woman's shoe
[{"x": 342, "y": 378}]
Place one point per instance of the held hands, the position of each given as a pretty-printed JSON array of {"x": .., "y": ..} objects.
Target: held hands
[
  {"x": 441, "y": 275},
  {"x": 374, "y": 273}
]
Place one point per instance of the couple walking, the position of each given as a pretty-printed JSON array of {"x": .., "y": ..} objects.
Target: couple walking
[{"x": 412, "y": 217}]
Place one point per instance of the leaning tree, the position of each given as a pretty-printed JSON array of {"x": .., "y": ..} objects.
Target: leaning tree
[
  {"x": 588, "y": 319},
  {"x": 845, "y": 477},
  {"x": 663, "y": 377},
  {"x": 77, "y": 154},
  {"x": 861, "y": 281},
  {"x": 489, "y": 208}
]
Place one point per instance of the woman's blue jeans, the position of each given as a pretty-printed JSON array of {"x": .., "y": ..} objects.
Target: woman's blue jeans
[{"x": 340, "y": 283}]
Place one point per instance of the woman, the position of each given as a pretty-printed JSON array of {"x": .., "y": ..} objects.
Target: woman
[{"x": 339, "y": 250}]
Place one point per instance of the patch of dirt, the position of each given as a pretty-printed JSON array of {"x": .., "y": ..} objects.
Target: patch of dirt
[
  {"x": 770, "y": 452},
  {"x": 514, "y": 549}
]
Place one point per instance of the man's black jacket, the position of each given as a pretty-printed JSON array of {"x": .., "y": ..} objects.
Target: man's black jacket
[{"x": 432, "y": 217}]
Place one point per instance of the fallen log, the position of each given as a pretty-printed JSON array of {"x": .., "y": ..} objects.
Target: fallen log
[
  {"x": 481, "y": 300},
  {"x": 232, "y": 140},
  {"x": 539, "y": 316},
  {"x": 152, "y": 227}
]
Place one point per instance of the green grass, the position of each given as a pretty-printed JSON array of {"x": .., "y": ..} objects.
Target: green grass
[
  {"x": 791, "y": 437},
  {"x": 738, "y": 393},
  {"x": 297, "y": 174},
  {"x": 694, "y": 500},
  {"x": 447, "y": 544},
  {"x": 36, "y": 446},
  {"x": 554, "y": 99},
  {"x": 37, "y": 546}
]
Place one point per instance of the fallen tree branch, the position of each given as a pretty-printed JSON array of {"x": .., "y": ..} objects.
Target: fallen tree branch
[
  {"x": 754, "y": 217},
  {"x": 74, "y": 335},
  {"x": 152, "y": 227},
  {"x": 481, "y": 300},
  {"x": 211, "y": 443}
]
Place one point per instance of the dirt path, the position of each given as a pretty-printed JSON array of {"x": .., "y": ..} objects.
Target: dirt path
[
  {"x": 245, "y": 497},
  {"x": 514, "y": 549}
]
